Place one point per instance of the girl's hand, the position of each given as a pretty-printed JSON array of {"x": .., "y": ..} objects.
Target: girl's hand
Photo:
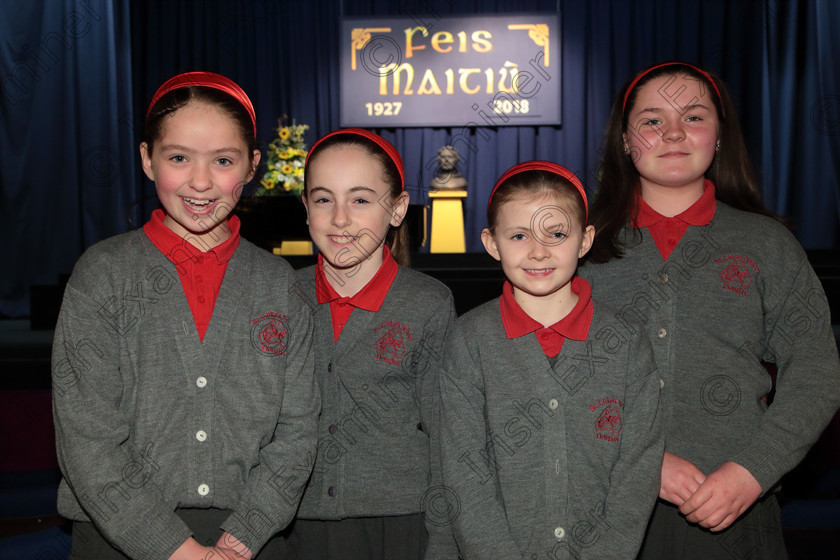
[
  {"x": 722, "y": 498},
  {"x": 231, "y": 548},
  {"x": 680, "y": 479},
  {"x": 191, "y": 550}
]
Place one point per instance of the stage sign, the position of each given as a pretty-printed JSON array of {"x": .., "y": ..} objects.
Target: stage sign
[{"x": 462, "y": 71}]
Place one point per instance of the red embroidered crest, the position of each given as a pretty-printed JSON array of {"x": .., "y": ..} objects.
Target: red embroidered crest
[
  {"x": 270, "y": 333},
  {"x": 737, "y": 274},
  {"x": 390, "y": 347},
  {"x": 608, "y": 424}
]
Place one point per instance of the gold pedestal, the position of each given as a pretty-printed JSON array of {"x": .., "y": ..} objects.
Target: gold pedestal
[
  {"x": 448, "y": 221},
  {"x": 293, "y": 248}
]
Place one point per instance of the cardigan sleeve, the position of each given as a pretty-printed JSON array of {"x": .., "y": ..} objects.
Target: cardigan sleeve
[
  {"x": 274, "y": 488},
  {"x": 427, "y": 369},
  {"x": 479, "y": 519},
  {"x": 799, "y": 341},
  {"x": 92, "y": 432},
  {"x": 635, "y": 476}
]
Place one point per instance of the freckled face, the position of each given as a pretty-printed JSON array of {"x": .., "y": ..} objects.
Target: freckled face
[{"x": 671, "y": 133}]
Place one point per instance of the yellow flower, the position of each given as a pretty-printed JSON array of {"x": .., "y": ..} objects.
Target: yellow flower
[
  {"x": 284, "y": 132},
  {"x": 268, "y": 184},
  {"x": 286, "y": 169},
  {"x": 284, "y": 154},
  {"x": 299, "y": 172}
]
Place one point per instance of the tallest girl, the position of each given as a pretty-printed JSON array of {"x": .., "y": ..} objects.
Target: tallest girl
[{"x": 685, "y": 245}]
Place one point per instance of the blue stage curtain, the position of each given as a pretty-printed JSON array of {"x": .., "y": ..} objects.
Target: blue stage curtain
[
  {"x": 66, "y": 145},
  {"x": 779, "y": 58}
]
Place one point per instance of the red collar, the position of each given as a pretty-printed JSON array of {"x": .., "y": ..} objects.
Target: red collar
[
  {"x": 575, "y": 325},
  {"x": 177, "y": 249},
  {"x": 698, "y": 214},
  {"x": 370, "y": 297}
]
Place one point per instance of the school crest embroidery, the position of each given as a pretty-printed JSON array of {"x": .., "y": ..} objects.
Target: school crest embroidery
[
  {"x": 737, "y": 273},
  {"x": 390, "y": 346},
  {"x": 270, "y": 333},
  {"x": 608, "y": 424}
]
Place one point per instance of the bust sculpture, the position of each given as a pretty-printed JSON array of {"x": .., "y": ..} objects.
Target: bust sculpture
[{"x": 447, "y": 176}]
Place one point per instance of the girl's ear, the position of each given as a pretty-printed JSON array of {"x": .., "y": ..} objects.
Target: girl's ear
[
  {"x": 399, "y": 207},
  {"x": 490, "y": 244},
  {"x": 146, "y": 160},
  {"x": 255, "y": 163},
  {"x": 303, "y": 199},
  {"x": 586, "y": 241}
]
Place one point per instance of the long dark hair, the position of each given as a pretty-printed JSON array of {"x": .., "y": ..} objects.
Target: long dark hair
[
  {"x": 615, "y": 202},
  {"x": 397, "y": 237}
]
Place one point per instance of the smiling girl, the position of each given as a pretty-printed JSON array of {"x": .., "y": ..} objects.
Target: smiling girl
[
  {"x": 380, "y": 328},
  {"x": 183, "y": 387},
  {"x": 549, "y": 427},
  {"x": 685, "y": 245}
]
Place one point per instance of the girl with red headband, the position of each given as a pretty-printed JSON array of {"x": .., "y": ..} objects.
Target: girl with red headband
[
  {"x": 380, "y": 328},
  {"x": 185, "y": 405},
  {"x": 549, "y": 429},
  {"x": 685, "y": 245}
]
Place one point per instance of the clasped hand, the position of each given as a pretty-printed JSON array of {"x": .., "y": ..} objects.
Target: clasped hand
[{"x": 713, "y": 501}]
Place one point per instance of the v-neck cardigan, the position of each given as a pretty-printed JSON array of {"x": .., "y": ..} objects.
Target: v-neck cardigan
[
  {"x": 543, "y": 457},
  {"x": 378, "y": 453},
  {"x": 148, "y": 418},
  {"x": 732, "y": 293}
]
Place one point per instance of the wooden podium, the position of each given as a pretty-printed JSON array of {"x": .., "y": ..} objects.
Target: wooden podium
[{"x": 448, "y": 221}]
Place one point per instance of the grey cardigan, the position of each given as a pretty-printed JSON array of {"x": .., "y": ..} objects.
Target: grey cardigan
[
  {"x": 542, "y": 460},
  {"x": 149, "y": 419},
  {"x": 378, "y": 453},
  {"x": 732, "y": 293}
]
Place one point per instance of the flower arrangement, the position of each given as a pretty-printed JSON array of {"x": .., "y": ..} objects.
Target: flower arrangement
[{"x": 286, "y": 156}]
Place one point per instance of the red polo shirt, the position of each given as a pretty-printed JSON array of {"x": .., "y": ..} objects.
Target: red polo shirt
[
  {"x": 369, "y": 298},
  {"x": 201, "y": 273},
  {"x": 575, "y": 325},
  {"x": 667, "y": 232}
]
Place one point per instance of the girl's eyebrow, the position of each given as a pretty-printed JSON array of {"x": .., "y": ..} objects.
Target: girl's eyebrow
[
  {"x": 661, "y": 109},
  {"x": 179, "y": 148}
]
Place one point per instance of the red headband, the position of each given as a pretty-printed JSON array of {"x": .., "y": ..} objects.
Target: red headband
[
  {"x": 652, "y": 68},
  {"x": 206, "y": 79},
  {"x": 539, "y": 165},
  {"x": 375, "y": 138}
]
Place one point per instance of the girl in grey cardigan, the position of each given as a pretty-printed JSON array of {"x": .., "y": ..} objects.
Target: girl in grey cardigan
[
  {"x": 685, "y": 246},
  {"x": 549, "y": 427},
  {"x": 379, "y": 334},
  {"x": 184, "y": 401}
]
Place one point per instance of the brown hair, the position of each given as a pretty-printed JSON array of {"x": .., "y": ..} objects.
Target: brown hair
[
  {"x": 178, "y": 98},
  {"x": 535, "y": 182},
  {"x": 397, "y": 237},
  {"x": 615, "y": 202}
]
